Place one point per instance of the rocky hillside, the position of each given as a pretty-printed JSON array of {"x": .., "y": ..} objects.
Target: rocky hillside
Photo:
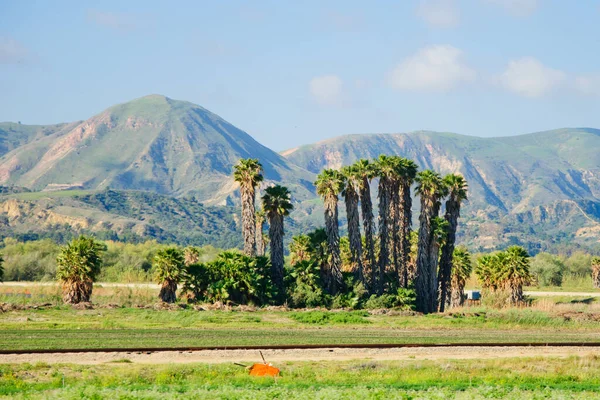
[{"x": 153, "y": 143}]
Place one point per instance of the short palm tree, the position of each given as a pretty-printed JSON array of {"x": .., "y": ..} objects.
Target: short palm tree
[
  {"x": 169, "y": 268},
  {"x": 363, "y": 172},
  {"x": 248, "y": 173},
  {"x": 596, "y": 272},
  {"x": 260, "y": 239},
  {"x": 514, "y": 273},
  {"x": 78, "y": 265},
  {"x": 457, "y": 193},
  {"x": 329, "y": 184},
  {"x": 300, "y": 249},
  {"x": 277, "y": 204},
  {"x": 430, "y": 189},
  {"x": 191, "y": 255},
  {"x": 461, "y": 271},
  {"x": 486, "y": 270},
  {"x": 351, "y": 197}
]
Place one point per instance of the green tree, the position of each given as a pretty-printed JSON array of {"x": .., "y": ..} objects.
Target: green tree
[
  {"x": 248, "y": 173},
  {"x": 430, "y": 188},
  {"x": 457, "y": 193},
  {"x": 329, "y": 184},
  {"x": 461, "y": 271},
  {"x": 169, "y": 268},
  {"x": 277, "y": 204},
  {"x": 351, "y": 197},
  {"x": 78, "y": 265},
  {"x": 547, "y": 270}
]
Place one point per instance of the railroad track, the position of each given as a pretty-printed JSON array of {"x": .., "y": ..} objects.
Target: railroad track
[{"x": 300, "y": 347}]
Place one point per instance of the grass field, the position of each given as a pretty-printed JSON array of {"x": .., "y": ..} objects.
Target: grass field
[{"x": 536, "y": 378}]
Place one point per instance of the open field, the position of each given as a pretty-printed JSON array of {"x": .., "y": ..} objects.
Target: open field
[{"x": 526, "y": 378}]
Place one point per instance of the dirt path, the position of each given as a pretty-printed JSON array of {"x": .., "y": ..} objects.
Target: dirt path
[{"x": 274, "y": 356}]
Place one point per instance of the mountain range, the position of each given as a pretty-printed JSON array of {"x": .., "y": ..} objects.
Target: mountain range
[{"x": 541, "y": 190}]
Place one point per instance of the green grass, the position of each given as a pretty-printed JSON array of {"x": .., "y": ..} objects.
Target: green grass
[
  {"x": 65, "y": 327},
  {"x": 575, "y": 377}
]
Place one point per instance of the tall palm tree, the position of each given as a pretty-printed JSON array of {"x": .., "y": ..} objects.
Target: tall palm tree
[
  {"x": 363, "y": 172},
  {"x": 277, "y": 204},
  {"x": 169, "y": 265},
  {"x": 248, "y": 173},
  {"x": 260, "y": 239},
  {"x": 1, "y": 268},
  {"x": 329, "y": 184},
  {"x": 457, "y": 193},
  {"x": 351, "y": 198},
  {"x": 191, "y": 255},
  {"x": 408, "y": 171},
  {"x": 430, "y": 188},
  {"x": 461, "y": 270},
  {"x": 385, "y": 171},
  {"x": 596, "y": 272},
  {"x": 78, "y": 265}
]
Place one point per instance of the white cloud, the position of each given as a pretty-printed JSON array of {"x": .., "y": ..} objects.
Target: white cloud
[
  {"x": 116, "y": 21},
  {"x": 530, "y": 78},
  {"x": 518, "y": 8},
  {"x": 588, "y": 85},
  {"x": 11, "y": 51},
  {"x": 326, "y": 90},
  {"x": 432, "y": 68},
  {"x": 439, "y": 13}
]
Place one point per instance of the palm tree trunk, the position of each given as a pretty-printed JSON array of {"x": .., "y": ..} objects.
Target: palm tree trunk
[
  {"x": 457, "y": 296},
  {"x": 334, "y": 279},
  {"x": 168, "y": 291},
  {"x": 351, "y": 199},
  {"x": 368, "y": 225},
  {"x": 515, "y": 292},
  {"x": 260, "y": 242},
  {"x": 77, "y": 291},
  {"x": 248, "y": 220},
  {"x": 596, "y": 275},
  {"x": 426, "y": 289},
  {"x": 276, "y": 239},
  {"x": 445, "y": 270},
  {"x": 394, "y": 230},
  {"x": 384, "y": 252},
  {"x": 405, "y": 215}
]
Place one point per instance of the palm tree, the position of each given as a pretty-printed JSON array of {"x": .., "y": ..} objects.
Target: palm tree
[
  {"x": 407, "y": 171},
  {"x": 1, "y": 268},
  {"x": 329, "y": 184},
  {"x": 191, "y": 255},
  {"x": 169, "y": 269},
  {"x": 260, "y": 239},
  {"x": 514, "y": 273},
  {"x": 363, "y": 172},
  {"x": 486, "y": 271},
  {"x": 385, "y": 171},
  {"x": 351, "y": 198},
  {"x": 596, "y": 272},
  {"x": 430, "y": 188},
  {"x": 248, "y": 173},
  {"x": 461, "y": 270},
  {"x": 78, "y": 265},
  {"x": 457, "y": 193},
  {"x": 277, "y": 204},
  {"x": 300, "y": 249}
]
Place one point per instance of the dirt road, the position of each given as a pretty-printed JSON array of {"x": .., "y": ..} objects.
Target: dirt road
[{"x": 332, "y": 354}]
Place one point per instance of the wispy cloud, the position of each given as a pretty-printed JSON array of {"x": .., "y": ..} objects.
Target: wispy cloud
[
  {"x": 12, "y": 52},
  {"x": 528, "y": 77},
  {"x": 439, "y": 13},
  {"x": 117, "y": 21},
  {"x": 518, "y": 8},
  {"x": 326, "y": 90},
  {"x": 434, "y": 68}
]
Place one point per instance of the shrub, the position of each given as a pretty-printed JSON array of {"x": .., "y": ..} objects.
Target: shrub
[
  {"x": 547, "y": 270},
  {"x": 404, "y": 299}
]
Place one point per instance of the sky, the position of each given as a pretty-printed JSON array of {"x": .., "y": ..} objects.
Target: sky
[{"x": 293, "y": 73}]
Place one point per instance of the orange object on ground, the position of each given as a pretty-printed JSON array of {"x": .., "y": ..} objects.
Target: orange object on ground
[{"x": 264, "y": 370}]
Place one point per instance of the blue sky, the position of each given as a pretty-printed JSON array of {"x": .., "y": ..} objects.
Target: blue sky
[{"x": 291, "y": 73}]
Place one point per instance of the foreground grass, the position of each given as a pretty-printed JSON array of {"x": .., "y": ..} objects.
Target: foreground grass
[
  {"x": 575, "y": 377},
  {"x": 65, "y": 327}
]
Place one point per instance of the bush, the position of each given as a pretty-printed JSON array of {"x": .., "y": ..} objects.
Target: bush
[
  {"x": 547, "y": 270},
  {"x": 404, "y": 299}
]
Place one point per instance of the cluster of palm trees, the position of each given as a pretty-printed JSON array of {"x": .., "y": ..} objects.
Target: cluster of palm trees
[
  {"x": 276, "y": 204},
  {"x": 505, "y": 271},
  {"x": 385, "y": 262}
]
